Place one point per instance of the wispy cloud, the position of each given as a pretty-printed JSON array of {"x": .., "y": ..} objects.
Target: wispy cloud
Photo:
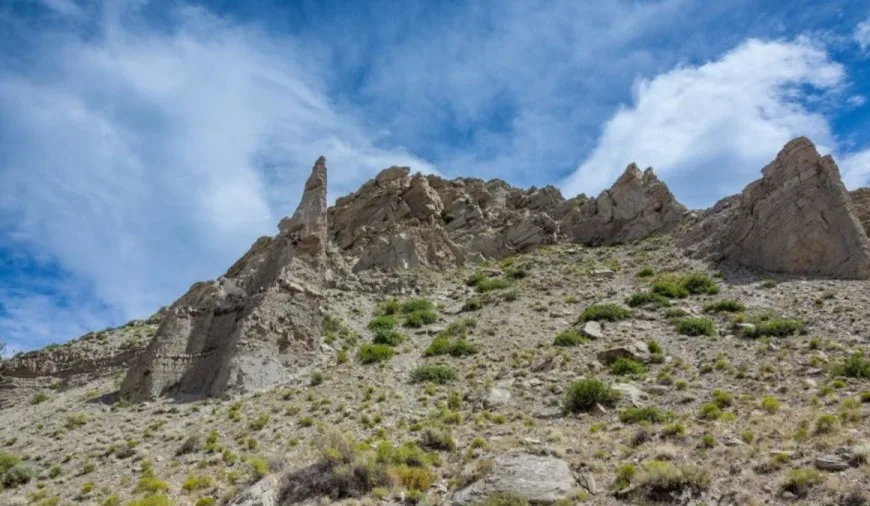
[
  {"x": 142, "y": 160},
  {"x": 717, "y": 124},
  {"x": 862, "y": 34}
]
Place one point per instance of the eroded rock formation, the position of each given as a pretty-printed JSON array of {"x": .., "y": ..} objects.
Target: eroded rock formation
[
  {"x": 250, "y": 328},
  {"x": 861, "y": 206},
  {"x": 798, "y": 218}
]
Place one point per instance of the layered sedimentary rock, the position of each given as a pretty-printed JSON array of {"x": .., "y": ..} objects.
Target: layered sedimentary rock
[
  {"x": 798, "y": 218},
  {"x": 250, "y": 328},
  {"x": 94, "y": 355}
]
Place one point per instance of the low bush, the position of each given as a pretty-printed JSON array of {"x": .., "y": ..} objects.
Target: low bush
[
  {"x": 371, "y": 353},
  {"x": 569, "y": 337},
  {"x": 605, "y": 312},
  {"x": 725, "y": 305},
  {"x": 659, "y": 480},
  {"x": 669, "y": 290},
  {"x": 649, "y": 414},
  {"x": 855, "y": 366},
  {"x": 625, "y": 366},
  {"x": 699, "y": 284},
  {"x": 773, "y": 327},
  {"x": 695, "y": 326},
  {"x": 647, "y": 299},
  {"x": 389, "y": 337},
  {"x": 382, "y": 323},
  {"x": 583, "y": 395},
  {"x": 420, "y": 317},
  {"x": 433, "y": 374}
]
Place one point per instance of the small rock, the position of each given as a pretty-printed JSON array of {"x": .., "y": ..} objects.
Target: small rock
[
  {"x": 498, "y": 397},
  {"x": 637, "y": 350},
  {"x": 602, "y": 273},
  {"x": 632, "y": 393},
  {"x": 831, "y": 463},
  {"x": 592, "y": 330},
  {"x": 809, "y": 383}
]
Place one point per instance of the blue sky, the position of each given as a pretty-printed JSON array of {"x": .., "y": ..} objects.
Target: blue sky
[{"x": 145, "y": 144}]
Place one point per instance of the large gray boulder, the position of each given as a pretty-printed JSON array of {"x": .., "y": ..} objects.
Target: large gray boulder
[
  {"x": 798, "y": 218},
  {"x": 539, "y": 480},
  {"x": 861, "y": 206}
]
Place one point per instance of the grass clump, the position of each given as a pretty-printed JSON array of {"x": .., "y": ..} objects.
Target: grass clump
[
  {"x": 443, "y": 345},
  {"x": 646, "y": 272},
  {"x": 774, "y": 327},
  {"x": 382, "y": 323},
  {"x": 855, "y": 366},
  {"x": 568, "y": 337},
  {"x": 799, "y": 481},
  {"x": 725, "y": 305},
  {"x": 371, "y": 353},
  {"x": 390, "y": 337},
  {"x": 649, "y": 414},
  {"x": 695, "y": 326},
  {"x": 659, "y": 480},
  {"x": 605, "y": 312},
  {"x": 433, "y": 374},
  {"x": 13, "y": 472},
  {"x": 483, "y": 283},
  {"x": 583, "y": 395},
  {"x": 669, "y": 289},
  {"x": 196, "y": 482},
  {"x": 647, "y": 299},
  {"x": 624, "y": 366},
  {"x": 151, "y": 500},
  {"x": 699, "y": 284}
]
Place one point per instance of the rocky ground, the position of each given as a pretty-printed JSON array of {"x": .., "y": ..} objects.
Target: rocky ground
[{"x": 770, "y": 408}]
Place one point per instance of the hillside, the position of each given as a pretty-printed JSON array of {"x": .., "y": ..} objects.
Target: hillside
[{"x": 431, "y": 341}]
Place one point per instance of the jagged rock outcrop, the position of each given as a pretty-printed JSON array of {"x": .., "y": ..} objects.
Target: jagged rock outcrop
[
  {"x": 636, "y": 206},
  {"x": 250, "y": 328},
  {"x": 58, "y": 367},
  {"x": 798, "y": 218},
  {"x": 399, "y": 220},
  {"x": 861, "y": 206},
  {"x": 533, "y": 478}
]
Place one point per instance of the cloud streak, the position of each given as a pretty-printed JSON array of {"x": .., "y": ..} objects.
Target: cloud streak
[{"x": 142, "y": 160}]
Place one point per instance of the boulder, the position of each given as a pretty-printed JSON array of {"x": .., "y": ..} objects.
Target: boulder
[
  {"x": 266, "y": 492},
  {"x": 537, "y": 479},
  {"x": 592, "y": 330},
  {"x": 861, "y": 205},
  {"x": 636, "y": 350}
]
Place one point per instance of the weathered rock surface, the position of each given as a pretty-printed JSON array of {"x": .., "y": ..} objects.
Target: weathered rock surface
[
  {"x": 861, "y": 206},
  {"x": 94, "y": 355},
  {"x": 539, "y": 480},
  {"x": 250, "y": 328},
  {"x": 798, "y": 218},
  {"x": 636, "y": 206}
]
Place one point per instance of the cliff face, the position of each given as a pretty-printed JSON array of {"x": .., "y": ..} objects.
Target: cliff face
[
  {"x": 798, "y": 218},
  {"x": 260, "y": 322},
  {"x": 248, "y": 329}
]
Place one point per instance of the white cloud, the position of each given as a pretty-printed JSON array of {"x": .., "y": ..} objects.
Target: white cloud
[
  {"x": 65, "y": 8},
  {"x": 855, "y": 168},
  {"x": 862, "y": 34},
  {"x": 144, "y": 160},
  {"x": 718, "y": 123}
]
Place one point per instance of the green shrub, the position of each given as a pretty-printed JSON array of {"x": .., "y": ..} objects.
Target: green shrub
[
  {"x": 370, "y": 353},
  {"x": 148, "y": 483},
  {"x": 415, "y": 305},
  {"x": 606, "y": 312},
  {"x": 490, "y": 284},
  {"x": 420, "y": 317},
  {"x": 650, "y": 414},
  {"x": 722, "y": 398},
  {"x": 389, "y": 337},
  {"x": 437, "y": 439},
  {"x": 196, "y": 482},
  {"x": 382, "y": 323},
  {"x": 38, "y": 398},
  {"x": 583, "y": 395},
  {"x": 472, "y": 304},
  {"x": 725, "y": 305},
  {"x": 699, "y": 284},
  {"x": 647, "y": 299},
  {"x": 433, "y": 373},
  {"x": 442, "y": 345},
  {"x": 676, "y": 312},
  {"x": 660, "y": 480},
  {"x": 569, "y": 337},
  {"x": 475, "y": 278},
  {"x": 624, "y": 366},
  {"x": 826, "y": 424},
  {"x": 646, "y": 272},
  {"x": 654, "y": 347},
  {"x": 15, "y": 474},
  {"x": 800, "y": 480},
  {"x": 205, "y": 501},
  {"x": 669, "y": 290},
  {"x": 151, "y": 500},
  {"x": 259, "y": 422},
  {"x": 774, "y": 327},
  {"x": 709, "y": 411},
  {"x": 855, "y": 366},
  {"x": 695, "y": 327}
]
